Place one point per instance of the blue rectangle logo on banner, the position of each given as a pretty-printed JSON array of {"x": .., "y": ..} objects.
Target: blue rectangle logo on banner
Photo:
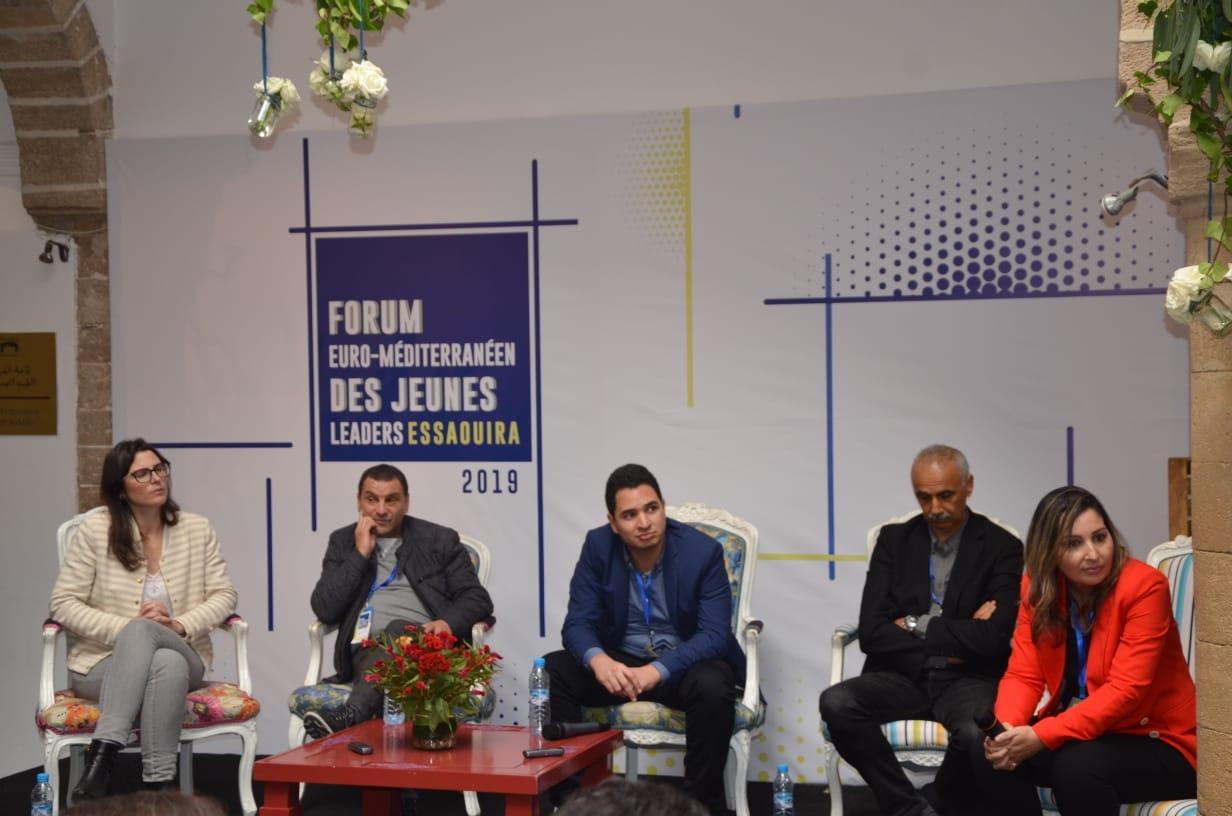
[{"x": 424, "y": 348}]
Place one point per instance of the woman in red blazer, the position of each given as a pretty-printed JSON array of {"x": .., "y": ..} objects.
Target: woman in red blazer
[{"x": 1097, "y": 702}]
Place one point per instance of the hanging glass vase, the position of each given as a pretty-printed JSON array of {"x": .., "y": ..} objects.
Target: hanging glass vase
[
  {"x": 264, "y": 114},
  {"x": 1213, "y": 312}
]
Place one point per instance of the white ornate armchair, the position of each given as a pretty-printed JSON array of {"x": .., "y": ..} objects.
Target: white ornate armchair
[
  {"x": 919, "y": 745},
  {"x": 217, "y": 708},
  {"x": 317, "y": 696},
  {"x": 652, "y": 725},
  {"x": 1175, "y": 560}
]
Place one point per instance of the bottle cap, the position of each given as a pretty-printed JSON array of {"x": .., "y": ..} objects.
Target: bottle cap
[
  {"x": 41, "y": 777},
  {"x": 783, "y": 768},
  {"x": 539, "y": 663}
]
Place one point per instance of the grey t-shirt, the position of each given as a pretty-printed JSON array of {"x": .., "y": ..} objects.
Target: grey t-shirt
[{"x": 396, "y": 600}]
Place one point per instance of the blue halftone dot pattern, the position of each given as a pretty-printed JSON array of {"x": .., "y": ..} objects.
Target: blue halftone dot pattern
[{"x": 1002, "y": 214}]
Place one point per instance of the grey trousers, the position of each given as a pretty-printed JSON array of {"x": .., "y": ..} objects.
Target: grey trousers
[{"x": 149, "y": 672}]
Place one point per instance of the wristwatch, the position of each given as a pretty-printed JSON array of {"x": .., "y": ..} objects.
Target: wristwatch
[{"x": 911, "y": 622}]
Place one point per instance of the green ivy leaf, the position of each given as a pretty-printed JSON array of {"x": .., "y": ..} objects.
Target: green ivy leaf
[
  {"x": 1168, "y": 106},
  {"x": 1220, "y": 232},
  {"x": 1218, "y": 271},
  {"x": 1162, "y": 57},
  {"x": 1125, "y": 97},
  {"x": 1147, "y": 9}
]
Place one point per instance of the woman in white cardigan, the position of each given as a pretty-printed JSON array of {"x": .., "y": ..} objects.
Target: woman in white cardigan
[{"x": 141, "y": 588}]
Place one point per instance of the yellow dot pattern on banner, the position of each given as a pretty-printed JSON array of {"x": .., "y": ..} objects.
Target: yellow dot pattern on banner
[{"x": 659, "y": 184}]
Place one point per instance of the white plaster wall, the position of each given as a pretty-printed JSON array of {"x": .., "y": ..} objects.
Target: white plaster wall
[{"x": 39, "y": 482}]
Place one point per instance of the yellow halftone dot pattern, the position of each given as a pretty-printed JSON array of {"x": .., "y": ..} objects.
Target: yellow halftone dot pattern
[{"x": 659, "y": 179}]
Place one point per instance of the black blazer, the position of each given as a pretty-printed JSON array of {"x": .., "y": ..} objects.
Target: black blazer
[
  {"x": 988, "y": 567},
  {"x": 436, "y": 565}
]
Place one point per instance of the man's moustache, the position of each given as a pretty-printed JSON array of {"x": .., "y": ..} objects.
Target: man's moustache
[{"x": 939, "y": 517}]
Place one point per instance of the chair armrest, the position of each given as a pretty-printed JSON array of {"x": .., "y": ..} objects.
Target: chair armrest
[
  {"x": 479, "y": 632},
  {"x": 238, "y": 627},
  {"x": 752, "y": 672},
  {"x": 317, "y": 630},
  {"x": 47, "y": 674},
  {"x": 844, "y": 635}
]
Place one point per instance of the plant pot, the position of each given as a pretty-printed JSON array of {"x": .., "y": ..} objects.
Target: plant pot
[
  {"x": 427, "y": 738},
  {"x": 1214, "y": 313}
]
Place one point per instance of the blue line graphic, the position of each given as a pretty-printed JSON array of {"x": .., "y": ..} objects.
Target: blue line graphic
[
  {"x": 1069, "y": 455},
  {"x": 736, "y": 111},
  {"x": 458, "y": 225},
  {"x": 312, "y": 385},
  {"x": 534, "y": 195},
  {"x": 222, "y": 445},
  {"x": 800, "y": 301},
  {"x": 269, "y": 550},
  {"x": 829, "y": 420}
]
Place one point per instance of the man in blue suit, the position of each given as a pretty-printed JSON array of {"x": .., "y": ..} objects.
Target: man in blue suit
[{"x": 650, "y": 619}]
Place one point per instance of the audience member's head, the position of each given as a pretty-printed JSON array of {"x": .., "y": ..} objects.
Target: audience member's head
[
  {"x": 620, "y": 797},
  {"x": 149, "y": 803}
]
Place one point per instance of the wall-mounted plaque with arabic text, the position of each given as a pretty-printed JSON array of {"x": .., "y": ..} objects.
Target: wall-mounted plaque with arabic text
[{"x": 28, "y": 384}]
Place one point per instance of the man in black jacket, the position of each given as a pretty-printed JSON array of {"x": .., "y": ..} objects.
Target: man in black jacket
[
  {"x": 382, "y": 573},
  {"x": 936, "y": 618}
]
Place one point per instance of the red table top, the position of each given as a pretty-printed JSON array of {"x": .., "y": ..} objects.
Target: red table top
[{"x": 486, "y": 758}]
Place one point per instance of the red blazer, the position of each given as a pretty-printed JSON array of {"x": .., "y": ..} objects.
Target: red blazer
[{"x": 1137, "y": 678}]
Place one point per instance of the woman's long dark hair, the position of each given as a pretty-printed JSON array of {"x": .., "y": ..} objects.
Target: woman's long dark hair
[
  {"x": 115, "y": 468},
  {"x": 1050, "y": 530}
]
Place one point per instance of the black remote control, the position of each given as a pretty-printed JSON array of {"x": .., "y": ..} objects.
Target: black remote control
[
  {"x": 531, "y": 753},
  {"x": 359, "y": 747}
]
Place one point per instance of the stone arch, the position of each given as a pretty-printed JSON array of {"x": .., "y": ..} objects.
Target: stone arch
[{"x": 59, "y": 90}]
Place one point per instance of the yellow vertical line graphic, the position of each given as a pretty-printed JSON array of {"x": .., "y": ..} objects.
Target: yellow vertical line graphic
[{"x": 687, "y": 183}]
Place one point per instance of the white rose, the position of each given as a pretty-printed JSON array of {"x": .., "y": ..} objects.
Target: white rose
[
  {"x": 1189, "y": 280},
  {"x": 342, "y": 61},
  {"x": 1212, "y": 57},
  {"x": 365, "y": 79},
  {"x": 285, "y": 90},
  {"x": 1176, "y": 302}
]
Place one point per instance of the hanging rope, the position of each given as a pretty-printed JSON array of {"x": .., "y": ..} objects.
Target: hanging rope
[
  {"x": 264, "y": 62},
  {"x": 333, "y": 72},
  {"x": 363, "y": 23}
]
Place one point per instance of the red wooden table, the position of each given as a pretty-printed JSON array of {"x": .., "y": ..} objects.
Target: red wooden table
[{"x": 487, "y": 759}]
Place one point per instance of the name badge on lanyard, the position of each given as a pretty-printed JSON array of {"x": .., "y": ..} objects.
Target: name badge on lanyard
[
  {"x": 363, "y": 626},
  {"x": 1082, "y": 646},
  {"x": 643, "y": 585}
]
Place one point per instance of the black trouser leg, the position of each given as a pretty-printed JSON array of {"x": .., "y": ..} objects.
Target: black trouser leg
[
  {"x": 854, "y": 711},
  {"x": 1096, "y": 777},
  {"x": 707, "y": 695},
  {"x": 956, "y": 700},
  {"x": 367, "y": 698}
]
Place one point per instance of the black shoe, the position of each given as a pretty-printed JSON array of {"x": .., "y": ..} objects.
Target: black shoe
[
  {"x": 100, "y": 757},
  {"x": 323, "y": 723}
]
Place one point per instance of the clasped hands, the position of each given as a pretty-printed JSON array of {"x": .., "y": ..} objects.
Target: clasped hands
[
  {"x": 1012, "y": 747},
  {"x": 621, "y": 680},
  {"x": 155, "y": 611}
]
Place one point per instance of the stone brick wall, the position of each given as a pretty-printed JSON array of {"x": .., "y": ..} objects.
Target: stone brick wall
[
  {"x": 1210, "y": 450},
  {"x": 59, "y": 89}
]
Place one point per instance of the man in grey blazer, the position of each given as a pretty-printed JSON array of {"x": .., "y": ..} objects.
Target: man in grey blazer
[{"x": 381, "y": 573}]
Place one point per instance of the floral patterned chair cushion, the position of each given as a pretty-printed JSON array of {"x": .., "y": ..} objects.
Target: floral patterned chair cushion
[
  {"x": 211, "y": 704},
  {"x": 331, "y": 697}
]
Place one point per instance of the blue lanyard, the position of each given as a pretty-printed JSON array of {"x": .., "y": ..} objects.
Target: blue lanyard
[
  {"x": 932, "y": 593},
  {"x": 1081, "y": 640},
  {"x": 643, "y": 587},
  {"x": 375, "y": 589}
]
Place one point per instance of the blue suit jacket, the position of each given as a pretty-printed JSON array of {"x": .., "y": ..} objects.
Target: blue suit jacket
[{"x": 699, "y": 599}]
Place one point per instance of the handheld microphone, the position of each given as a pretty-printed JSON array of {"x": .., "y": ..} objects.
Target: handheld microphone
[
  {"x": 559, "y": 731},
  {"x": 987, "y": 722}
]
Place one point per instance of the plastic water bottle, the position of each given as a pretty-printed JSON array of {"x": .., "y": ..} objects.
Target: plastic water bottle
[
  {"x": 539, "y": 698},
  {"x": 784, "y": 800},
  {"x": 40, "y": 797},
  {"x": 394, "y": 715}
]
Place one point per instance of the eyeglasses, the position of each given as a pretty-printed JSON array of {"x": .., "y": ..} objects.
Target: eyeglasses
[{"x": 162, "y": 470}]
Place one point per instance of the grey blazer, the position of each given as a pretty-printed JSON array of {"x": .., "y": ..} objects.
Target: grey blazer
[{"x": 434, "y": 562}]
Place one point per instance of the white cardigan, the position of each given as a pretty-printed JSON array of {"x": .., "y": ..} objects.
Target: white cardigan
[{"x": 95, "y": 596}]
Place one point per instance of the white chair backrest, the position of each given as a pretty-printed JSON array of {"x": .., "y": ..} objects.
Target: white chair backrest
[
  {"x": 1175, "y": 560},
  {"x": 481, "y": 557},
  {"x": 64, "y": 535},
  {"x": 738, "y": 539},
  {"x": 876, "y": 531}
]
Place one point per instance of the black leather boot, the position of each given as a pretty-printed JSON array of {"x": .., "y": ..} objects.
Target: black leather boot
[{"x": 100, "y": 757}]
